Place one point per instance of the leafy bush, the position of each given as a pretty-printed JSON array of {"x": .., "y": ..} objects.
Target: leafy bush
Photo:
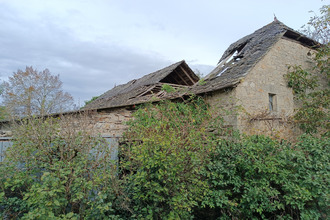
[
  {"x": 167, "y": 148},
  {"x": 176, "y": 168},
  {"x": 56, "y": 173},
  {"x": 257, "y": 177},
  {"x": 176, "y": 162},
  {"x": 312, "y": 96}
]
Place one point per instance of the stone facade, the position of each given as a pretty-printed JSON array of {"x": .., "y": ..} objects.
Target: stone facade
[{"x": 267, "y": 103}]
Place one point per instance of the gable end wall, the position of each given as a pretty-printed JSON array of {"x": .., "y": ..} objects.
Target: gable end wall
[{"x": 267, "y": 77}]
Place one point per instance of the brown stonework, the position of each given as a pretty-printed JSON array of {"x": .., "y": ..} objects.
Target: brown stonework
[
  {"x": 266, "y": 79},
  {"x": 110, "y": 123}
]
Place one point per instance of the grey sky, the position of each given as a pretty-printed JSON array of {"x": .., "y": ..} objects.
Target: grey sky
[{"x": 95, "y": 44}]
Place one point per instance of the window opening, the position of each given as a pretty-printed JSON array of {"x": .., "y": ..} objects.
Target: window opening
[{"x": 272, "y": 102}]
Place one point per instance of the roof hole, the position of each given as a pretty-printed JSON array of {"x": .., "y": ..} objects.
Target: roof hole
[{"x": 222, "y": 71}]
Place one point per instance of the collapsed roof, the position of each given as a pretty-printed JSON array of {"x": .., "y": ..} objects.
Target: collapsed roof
[
  {"x": 242, "y": 55},
  {"x": 234, "y": 64},
  {"x": 178, "y": 75}
]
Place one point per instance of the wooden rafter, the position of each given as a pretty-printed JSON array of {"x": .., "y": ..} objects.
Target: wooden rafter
[
  {"x": 143, "y": 93},
  {"x": 174, "y": 77},
  {"x": 173, "y": 85},
  {"x": 179, "y": 75},
  {"x": 187, "y": 74}
]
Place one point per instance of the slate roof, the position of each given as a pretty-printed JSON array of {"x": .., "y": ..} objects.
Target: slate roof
[
  {"x": 242, "y": 55},
  {"x": 148, "y": 87},
  {"x": 234, "y": 64}
]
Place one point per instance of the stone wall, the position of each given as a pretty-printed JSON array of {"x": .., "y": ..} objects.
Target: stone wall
[
  {"x": 107, "y": 123},
  {"x": 252, "y": 94},
  {"x": 111, "y": 122},
  {"x": 224, "y": 103}
]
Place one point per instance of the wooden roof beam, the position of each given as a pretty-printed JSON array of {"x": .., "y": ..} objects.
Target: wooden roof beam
[
  {"x": 185, "y": 72},
  {"x": 143, "y": 93},
  {"x": 173, "y": 77},
  {"x": 176, "y": 78},
  {"x": 179, "y": 75}
]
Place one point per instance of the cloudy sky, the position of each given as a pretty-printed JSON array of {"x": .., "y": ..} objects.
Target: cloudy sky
[{"x": 96, "y": 44}]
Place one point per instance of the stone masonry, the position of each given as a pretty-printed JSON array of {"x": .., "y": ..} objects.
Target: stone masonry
[{"x": 264, "y": 80}]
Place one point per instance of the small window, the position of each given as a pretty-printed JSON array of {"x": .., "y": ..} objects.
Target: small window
[{"x": 272, "y": 102}]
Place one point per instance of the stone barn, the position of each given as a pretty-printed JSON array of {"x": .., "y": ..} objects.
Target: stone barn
[{"x": 248, "y": 81}]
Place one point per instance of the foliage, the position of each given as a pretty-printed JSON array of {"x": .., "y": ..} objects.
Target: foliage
[
  {"x": 312, "y": 87},
  {"x": 91, "y": 100},
  {"x": 167, "y": 88},
  {"x": 176, "y": 162},
  {"x": 301, "y": 80},
  {"x": 31, "y": 92},
  {"x": 201, "y": 81},
  {"x": 318, "y": 27},
  {"x": 53, "y": 173},
  {"x": 313, "y": 99},
  {"x": 260, "y": 178},
  {"x": 174, "y": 168},
  {"x": 167, "y": 148},
  {"x": 3, "y": 113}
]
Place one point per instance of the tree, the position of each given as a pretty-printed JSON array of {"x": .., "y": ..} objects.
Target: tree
[
  {"x": 318, "y": 27},
  {"x": 3, "y": 111},
  {"x": 31, "y": 92},
  {"x": 256, "y": 177},
  {"x": 311, "y": 87}
]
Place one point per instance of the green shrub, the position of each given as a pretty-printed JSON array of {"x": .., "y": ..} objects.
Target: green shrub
[
  {"x": 176, "y": 162},
  {"x": 258, "y": 177},
  {"x": 167, "y": 148},
  {"x": 56, "y": 173}
]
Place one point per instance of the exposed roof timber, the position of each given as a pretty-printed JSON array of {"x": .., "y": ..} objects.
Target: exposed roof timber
[
  {"x": 182, "y": 78},
  {"x": 145, "y": 92},
  {"x": 145, "y": 88},
  {"x": 301, "y": 38},
  {"x": 185, "y": 72},
  {"x": 171, "y": 79},
  {"x": 182, "y": 75}
]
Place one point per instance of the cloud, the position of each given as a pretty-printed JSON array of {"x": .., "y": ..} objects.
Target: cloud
[
  {"x": 94, "y": 45},
  {"x": 87, "y": 68}
]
